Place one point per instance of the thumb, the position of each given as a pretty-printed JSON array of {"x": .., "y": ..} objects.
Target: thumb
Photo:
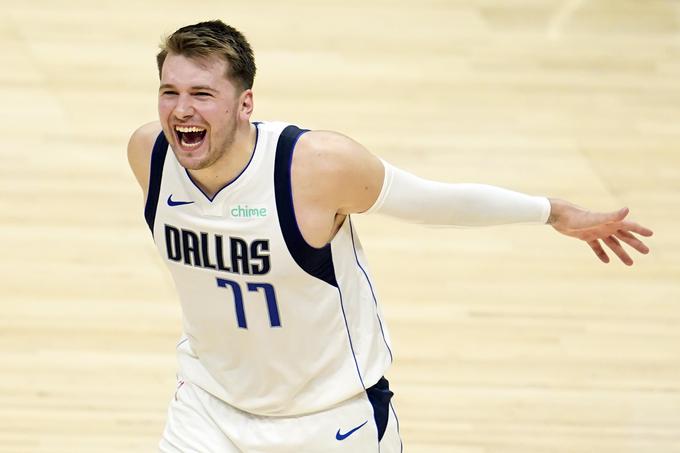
[
  {"x": 619, "y": 215},
  {"x": 609, "y": 217}
]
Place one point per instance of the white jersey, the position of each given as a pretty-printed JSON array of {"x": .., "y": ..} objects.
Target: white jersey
[{"x": 272, "y": 326}]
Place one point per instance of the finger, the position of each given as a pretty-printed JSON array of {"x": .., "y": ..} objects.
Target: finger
[
  {"x": 599, "y": 251},
  {"x": 636, "y": 228},
  {"x": 615, "y": 246},
  {"x": 632, "y": 241}
]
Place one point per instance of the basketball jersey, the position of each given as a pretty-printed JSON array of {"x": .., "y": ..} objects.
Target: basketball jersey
[{"x": 271, "y": 325}]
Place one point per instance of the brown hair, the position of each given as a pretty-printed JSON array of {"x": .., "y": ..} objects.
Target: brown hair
[{"x": 213, "y": 38}]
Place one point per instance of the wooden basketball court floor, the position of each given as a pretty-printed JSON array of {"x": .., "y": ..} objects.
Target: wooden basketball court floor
[{"x": 507, "y": 339}]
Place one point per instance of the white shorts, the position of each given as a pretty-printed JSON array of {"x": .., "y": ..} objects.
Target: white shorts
[{"x": 200, "y": 423}]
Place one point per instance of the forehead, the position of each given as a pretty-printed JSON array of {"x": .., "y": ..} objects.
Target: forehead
[{"x": 179, "y": 70}]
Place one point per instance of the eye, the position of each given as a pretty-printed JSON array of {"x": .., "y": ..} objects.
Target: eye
[
  {"x": 168, "y": 93},
  {"x": 202, "y": 94}
]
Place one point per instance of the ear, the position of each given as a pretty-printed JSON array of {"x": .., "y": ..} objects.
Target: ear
[{"x": 245, "y": 108}]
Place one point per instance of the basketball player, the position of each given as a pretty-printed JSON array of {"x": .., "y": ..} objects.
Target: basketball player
[{"x": 284, "y": 346}]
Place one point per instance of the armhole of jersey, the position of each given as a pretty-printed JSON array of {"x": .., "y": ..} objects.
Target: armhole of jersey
[
  {"x": 160, "y": 149},
  {"x": 317, "y": 262}
]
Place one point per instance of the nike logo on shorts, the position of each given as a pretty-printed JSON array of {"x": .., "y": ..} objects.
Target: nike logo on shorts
[
  {"x": 172, "y": 202},
  {"x": 349, "y": 433}
]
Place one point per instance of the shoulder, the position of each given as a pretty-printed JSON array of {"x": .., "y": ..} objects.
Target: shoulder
[
  {"x": 139, "y": 150},
  {"x": 330, "y": 152},
  {"x": 341, "y": 170}
]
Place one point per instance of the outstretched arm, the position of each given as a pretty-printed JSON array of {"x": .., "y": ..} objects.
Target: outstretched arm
[
  {"x": 592, "y": 227},
  {"x": 343, "y": 178},
  {"x": 415, "y": 199}
]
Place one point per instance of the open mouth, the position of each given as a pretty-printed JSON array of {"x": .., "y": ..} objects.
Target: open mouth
[{"x": 190, "y": 136}]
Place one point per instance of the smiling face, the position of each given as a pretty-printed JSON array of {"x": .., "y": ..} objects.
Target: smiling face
[{"x": 199, "y": 109}]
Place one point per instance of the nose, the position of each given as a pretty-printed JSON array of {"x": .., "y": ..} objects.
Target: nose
[{"x": 183, "y": 109}]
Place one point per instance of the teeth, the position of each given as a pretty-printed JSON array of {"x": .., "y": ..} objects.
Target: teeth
[
  {"x": 190, "y": 145},
  {"x": 189, "y": 129}
]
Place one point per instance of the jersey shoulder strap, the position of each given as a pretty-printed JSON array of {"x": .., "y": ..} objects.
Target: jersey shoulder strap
[{"x": 160, "y": 149}]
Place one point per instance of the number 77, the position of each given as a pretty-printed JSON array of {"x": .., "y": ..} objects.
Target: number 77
[{"x": 269, "y": 295}]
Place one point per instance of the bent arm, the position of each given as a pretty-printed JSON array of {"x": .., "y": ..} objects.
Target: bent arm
[{"x": 139, "y": 153}]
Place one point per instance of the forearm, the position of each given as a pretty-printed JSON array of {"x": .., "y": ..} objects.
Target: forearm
[{"x": 417, "y": 200}]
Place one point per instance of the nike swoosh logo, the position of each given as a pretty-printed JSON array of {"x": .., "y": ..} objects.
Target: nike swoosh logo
[
  {"x": 349, "y": 433},
  {"x": 171, "y": 202}
]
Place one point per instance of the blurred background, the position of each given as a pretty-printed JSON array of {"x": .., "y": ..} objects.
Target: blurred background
[{"x": 507, "y": 339}]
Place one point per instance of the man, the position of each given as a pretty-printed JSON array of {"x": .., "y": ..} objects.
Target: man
[{"x": 284, "y": 345}]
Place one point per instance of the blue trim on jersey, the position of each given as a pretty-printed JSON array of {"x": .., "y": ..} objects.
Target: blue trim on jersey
[
  {"x": 257, "y": 136},
  {"x": 160, "y": 149},
  {"x": 317, "y": 262},
  {"x": 349, "y": 337},
  {"x": 370, "y": 285},
  {"x": 401, "y": 444},
  {"x": 380, "y": 395}
]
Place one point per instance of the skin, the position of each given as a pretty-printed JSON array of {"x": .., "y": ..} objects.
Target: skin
[{"x": 332, "y": 175}]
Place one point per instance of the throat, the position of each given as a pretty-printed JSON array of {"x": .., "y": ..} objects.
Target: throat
[
  {"x": 226, "y": 168},
  {"x": 219, "y": 175}
]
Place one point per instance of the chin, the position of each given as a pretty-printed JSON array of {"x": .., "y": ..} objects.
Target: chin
[
  {"x": 194, "y": 160},
  {"x": 192, "y": 163}
]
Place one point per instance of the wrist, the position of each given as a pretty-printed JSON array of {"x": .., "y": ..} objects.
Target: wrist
[{"x": 555, "y": 209}]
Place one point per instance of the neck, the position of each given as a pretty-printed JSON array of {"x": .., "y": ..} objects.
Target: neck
[{"x": 230, "y": 165}]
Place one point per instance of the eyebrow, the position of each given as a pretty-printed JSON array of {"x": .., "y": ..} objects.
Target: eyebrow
[{"x": 193, "y": 88}]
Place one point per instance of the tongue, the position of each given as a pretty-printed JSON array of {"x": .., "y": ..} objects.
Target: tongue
[{"x": 193, "y": 137}]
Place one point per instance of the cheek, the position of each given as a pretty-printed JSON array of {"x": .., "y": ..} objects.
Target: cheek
[
  {"x": 216, "y": 115},
  {"x": 164, "y": 107}
]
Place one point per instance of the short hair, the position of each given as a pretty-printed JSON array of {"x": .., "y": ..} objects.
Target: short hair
[{"x": 213, "y": 38}]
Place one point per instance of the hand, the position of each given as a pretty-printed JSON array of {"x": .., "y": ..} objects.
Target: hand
[{"x": 593, "y": 227}]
